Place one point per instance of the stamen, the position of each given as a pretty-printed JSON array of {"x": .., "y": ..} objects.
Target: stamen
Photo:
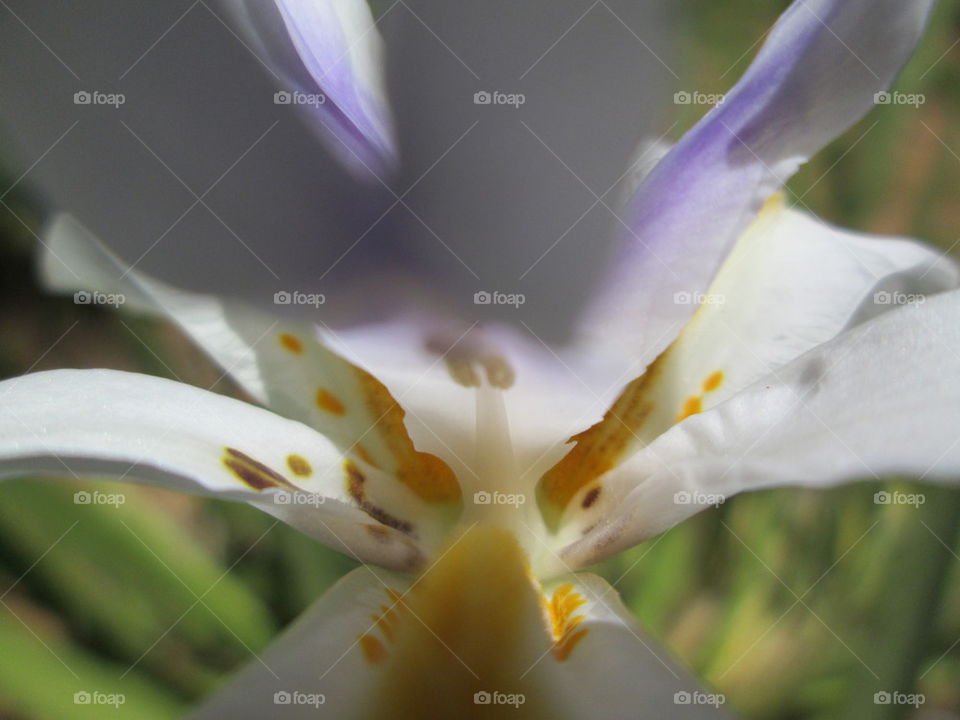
[{"x": 471, "y": 360}]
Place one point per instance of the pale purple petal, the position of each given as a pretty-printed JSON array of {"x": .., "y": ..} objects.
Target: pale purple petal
[
  {"x": 816, "y": 75},
  {"x": 327, "y": 57}
]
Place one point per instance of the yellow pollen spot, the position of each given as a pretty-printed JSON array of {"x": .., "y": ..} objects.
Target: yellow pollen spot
[
  {"x": 692, "y": 406},
  {"x": 326, "y": 400},
  {"x": 291, "y": 343},
  {"x": 298, "y": 465},
  {"x": 694, "y": 403},
  {"x": 373, "y": 650},
  {"x": 563, "y": 620},
  {"x": 713, "y": 382},
  {"x": 364, "y": 455}
]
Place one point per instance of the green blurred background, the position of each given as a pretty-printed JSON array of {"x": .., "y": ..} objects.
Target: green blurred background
[{"x": 793, "y": 603}]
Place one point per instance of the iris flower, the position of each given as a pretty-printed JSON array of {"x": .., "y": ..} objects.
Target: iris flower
[{"x": 747, "y": 345}]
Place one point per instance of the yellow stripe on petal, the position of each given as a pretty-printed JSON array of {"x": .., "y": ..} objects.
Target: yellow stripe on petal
[
  {"x": 472, "y": 623},
  {"x": 429, "y": 477},
  {"x": 644, "y": 409},
  {"x": 599, "y": 448},
  {"x": 359, "y": 413}
]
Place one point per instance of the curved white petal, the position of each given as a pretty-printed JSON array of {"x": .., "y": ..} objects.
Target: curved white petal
[
  {"x": 791, "y": 283},
  {"x": 280, "y": 363},
  {"x": 816, "y": 74},
  {"x": 331, "y": 53},
  {"x": 319, "y": 667},
  {"x": 430, "y": 372},
  {"x": 146, "y": 429},
  {"x": 882, "y": 398},
  {"x": 603, "y": 666}
]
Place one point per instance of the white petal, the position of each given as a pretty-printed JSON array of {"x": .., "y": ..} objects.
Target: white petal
[
  {"x": 603, "y": 666},
  {"x": 791, "y": 283},
  {"x": 318, "y": 667},
  {"x": 882, "y": 398},
  {"x": 816, "y": 75},
  {"x": 280, "y": 363},
  {"x": 145, "y": 429}
]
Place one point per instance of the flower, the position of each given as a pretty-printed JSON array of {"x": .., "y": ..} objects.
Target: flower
[{"x": 737, "y": 344}]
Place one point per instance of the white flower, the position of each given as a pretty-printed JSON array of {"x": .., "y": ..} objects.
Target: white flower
[{"x": 442, "y": 454}]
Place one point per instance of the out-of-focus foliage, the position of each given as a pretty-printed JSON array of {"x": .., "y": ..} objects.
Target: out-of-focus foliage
[{"x": 794, "y": 604}]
